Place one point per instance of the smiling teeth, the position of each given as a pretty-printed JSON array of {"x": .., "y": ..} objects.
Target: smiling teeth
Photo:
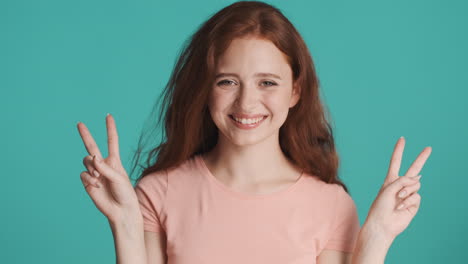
[{"x": 248, "y": 121}]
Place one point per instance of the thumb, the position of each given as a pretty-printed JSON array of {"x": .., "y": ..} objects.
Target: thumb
[{"x": 105, "y": 170}]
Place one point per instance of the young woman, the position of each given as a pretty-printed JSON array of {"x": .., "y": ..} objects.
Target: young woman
[{"x": 248, "y": 170}]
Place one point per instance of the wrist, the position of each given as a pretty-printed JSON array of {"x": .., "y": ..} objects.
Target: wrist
[
  {"x": 125, "y": 216},
  {"x": 376, "y": 236},
  {"x": 128, "y": 222},
  {"x": 372, "y": 245},
  {"x": 129, "y": 230}
]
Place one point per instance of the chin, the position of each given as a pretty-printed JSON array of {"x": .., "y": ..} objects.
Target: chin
[{"x": 247, "y": 140}]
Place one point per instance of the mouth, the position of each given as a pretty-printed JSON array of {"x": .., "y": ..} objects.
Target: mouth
[{"x": 249, "y": 121}]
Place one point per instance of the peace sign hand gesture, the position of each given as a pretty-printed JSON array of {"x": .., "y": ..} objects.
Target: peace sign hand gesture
[
  {"x": 111, "y": 190},
  {"x": 397, "y": 201}
]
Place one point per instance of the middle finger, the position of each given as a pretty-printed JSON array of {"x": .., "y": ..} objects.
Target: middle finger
[
  {"x": 419, "y": 162},
  {"x": 88, "y": 140}
]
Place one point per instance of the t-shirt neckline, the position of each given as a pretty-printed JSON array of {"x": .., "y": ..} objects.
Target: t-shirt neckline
[{"x": 205, "y": 171}]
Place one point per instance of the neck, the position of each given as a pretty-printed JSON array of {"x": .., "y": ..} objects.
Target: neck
[{"x": 250, "y": 164}]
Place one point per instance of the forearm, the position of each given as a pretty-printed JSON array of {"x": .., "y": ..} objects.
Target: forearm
[
  {"x": 371, "y": 247},
  {"x": 129, "y": 242}
]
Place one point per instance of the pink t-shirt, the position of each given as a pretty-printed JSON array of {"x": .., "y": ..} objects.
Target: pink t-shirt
[{"x": 207, "y": 222}]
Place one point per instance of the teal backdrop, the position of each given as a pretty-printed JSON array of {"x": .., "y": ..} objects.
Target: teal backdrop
[{"x": 387, "y": 69}]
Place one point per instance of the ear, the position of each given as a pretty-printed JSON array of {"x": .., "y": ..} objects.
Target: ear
[{"x": 295, "y": 95}]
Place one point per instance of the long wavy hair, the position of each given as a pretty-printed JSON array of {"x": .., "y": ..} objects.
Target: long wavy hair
[{"x": 306, "y": 137}]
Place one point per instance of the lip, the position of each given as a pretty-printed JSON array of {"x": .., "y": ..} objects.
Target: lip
[
  {"x": 247, "y": 116},
  {"x": 248, "y": 126}
]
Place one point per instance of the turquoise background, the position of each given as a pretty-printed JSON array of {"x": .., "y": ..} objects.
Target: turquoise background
[{"x": 387, "y": 69}]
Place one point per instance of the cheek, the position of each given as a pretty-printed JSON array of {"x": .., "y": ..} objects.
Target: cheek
[
  {"x": 278, "y": 102},
  {"x": 218, "y": 101}
]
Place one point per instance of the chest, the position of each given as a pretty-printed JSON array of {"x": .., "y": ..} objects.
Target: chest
[{"x": 211, "y": 231}]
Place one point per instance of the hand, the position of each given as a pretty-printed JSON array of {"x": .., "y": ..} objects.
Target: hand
[
  {"x": 115, "y": 197},
  {"x": 384, "y": 216}
]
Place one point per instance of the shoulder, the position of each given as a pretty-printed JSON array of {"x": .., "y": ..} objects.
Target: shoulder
[
  {"x": 331, "y": 197},
  {"x": 341, "y": 201},
  {"x": 162, "y": 180},
  {"x": 157, "y": 179},
  {"x": 343, "y": 198},
  {"x": 324, "y": 191},
  {"x": 345, "y": 210},
  {"x": 344, "y": 221},
  {"x": 333, "y": 191}
]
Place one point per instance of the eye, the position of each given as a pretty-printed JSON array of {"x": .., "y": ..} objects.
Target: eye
[
  {"x": 223, "y": 82},
  {"x": 269, "y": 83}
]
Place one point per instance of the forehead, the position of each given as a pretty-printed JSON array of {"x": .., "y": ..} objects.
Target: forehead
[{"x": 249, "y": 55}]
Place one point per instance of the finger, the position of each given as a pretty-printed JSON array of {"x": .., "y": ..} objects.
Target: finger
[
  {"x": 96, "y": 189},
  {"x": 88, "y": 163},
  {"x": 88, "y": 140},
  {"x": 412, "y": 200},
  {"x": 105, "y": 170},
  {"x": 419, "y": 162},
  {"x": 401, "y": 183},
  {"x": 395, "y": 162},
  {"x": 409, "y": 190},
  {"x": 89, "y": 181},
  {"x": 112, "y": 137}
]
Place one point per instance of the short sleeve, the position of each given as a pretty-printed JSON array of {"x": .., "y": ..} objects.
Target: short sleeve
[
  {"x": 151, "y": 191},
  {"x": 345, "y": 226}
]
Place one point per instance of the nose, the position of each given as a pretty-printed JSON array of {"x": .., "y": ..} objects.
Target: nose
[{"x": 247, "y": 97}]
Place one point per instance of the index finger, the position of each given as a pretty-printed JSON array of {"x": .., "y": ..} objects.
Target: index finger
[
  {"x": 112, "y": 137},
  {"x": 88, "y": 140},
  {"x": 395, "y": 161}
]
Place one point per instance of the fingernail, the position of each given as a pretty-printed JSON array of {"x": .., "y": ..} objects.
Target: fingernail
[
  {"x": 400, "y": 206},
  {"x": 402, "y": 194},
  {"x": 107, "y": 114},
  {"x": 416, "y": 177},
  {"x": 96, "y": 173}
]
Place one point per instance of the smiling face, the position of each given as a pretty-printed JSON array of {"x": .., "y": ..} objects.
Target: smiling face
[{"x": 253, "y": 79}]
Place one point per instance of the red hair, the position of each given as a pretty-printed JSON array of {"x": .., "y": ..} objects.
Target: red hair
[{"x": 306, "y": 137}]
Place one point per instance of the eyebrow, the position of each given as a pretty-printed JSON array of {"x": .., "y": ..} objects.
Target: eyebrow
[{"x": 258, "y": 74}]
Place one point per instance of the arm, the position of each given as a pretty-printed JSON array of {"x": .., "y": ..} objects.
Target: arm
[
  {"x": 129, "y": 242},
  {"x": 390, "y": 213},
  {"x": 386, "y": 219},
  {"x": 156, "y": 247},
  {"x": 370, "y": 248},
  {"x": 119, "y": 201},
  {"x": 329, "y": 256},
  {"x": 136, "y": 246}
]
